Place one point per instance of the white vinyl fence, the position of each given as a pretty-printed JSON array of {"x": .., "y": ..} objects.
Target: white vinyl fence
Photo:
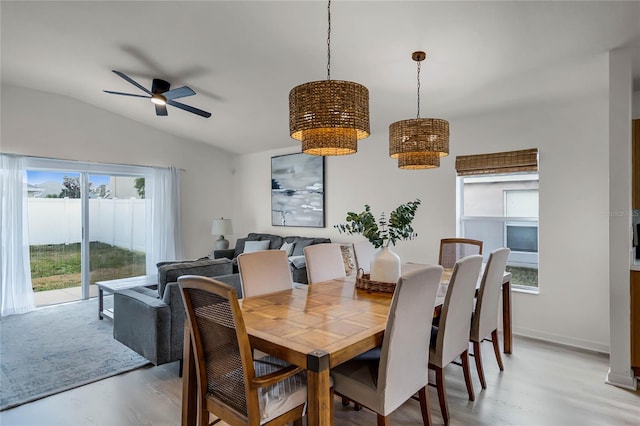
[{"x": 116, "y": 222}]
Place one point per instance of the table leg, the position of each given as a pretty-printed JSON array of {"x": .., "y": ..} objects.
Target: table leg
[
  {"x": 506, "y": 316},
  {"x": 100, "y": 303},
  {"x": 319, "y": 401},
  {"x": 189, "y": 387}
]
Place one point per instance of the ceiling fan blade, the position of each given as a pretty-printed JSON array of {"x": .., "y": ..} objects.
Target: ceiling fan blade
[
  {"x": 135, "y": 83},
  {"x": 189, "y": 108},
  {"x": 126, "y": 94},
  {"x": 161, "y": 110},
  {"x": 180, "y": 92}
]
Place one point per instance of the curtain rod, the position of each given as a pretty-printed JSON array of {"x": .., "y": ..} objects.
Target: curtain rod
[{"x": 81, "y": 161}]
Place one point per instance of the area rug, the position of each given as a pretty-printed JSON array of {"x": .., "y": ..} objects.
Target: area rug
[{"x": 53, "y": 349}]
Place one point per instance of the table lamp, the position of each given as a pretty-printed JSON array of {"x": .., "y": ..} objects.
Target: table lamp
[{"x": 220, "y": 227}]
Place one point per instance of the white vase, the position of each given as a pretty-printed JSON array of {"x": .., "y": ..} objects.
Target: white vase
[{"x": 385, "y": 266}]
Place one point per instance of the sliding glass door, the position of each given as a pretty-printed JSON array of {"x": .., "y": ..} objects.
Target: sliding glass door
[
  {"x": 84, "y": 226},
  {"x": 116, "y": 227}
]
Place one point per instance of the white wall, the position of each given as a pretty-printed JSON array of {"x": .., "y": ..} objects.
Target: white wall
[
  {"x": 573, "y": 141},
  {"x": 45, "y": 125},
  {"x": 620, "y": 115}
]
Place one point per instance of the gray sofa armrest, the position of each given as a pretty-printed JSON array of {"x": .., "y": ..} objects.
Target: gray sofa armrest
[
  {"x": 233, "y": 280},
  {"x": 143, "y": 324},
  {"x": 219, "y": 254},
  {"x": 169, "y": 273}
]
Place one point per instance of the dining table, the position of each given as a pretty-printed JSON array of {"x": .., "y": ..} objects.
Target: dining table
[{"x": 317, "y": 327}]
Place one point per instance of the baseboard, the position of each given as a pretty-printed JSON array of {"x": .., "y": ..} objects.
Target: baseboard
[
  {"x": 563, "y": 340},
  {"x": 625, "y": 381}
]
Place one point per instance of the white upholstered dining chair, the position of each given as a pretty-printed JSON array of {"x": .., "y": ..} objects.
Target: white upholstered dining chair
[
  {"x": 485, "y": 315},
  {"x": 384, "y": 384},
  {"x": 450, "y": 339},
  {"x": 324, "y": 262},
  {"x": 364, "y": 252},
  {"x": 264, "y": 271}
]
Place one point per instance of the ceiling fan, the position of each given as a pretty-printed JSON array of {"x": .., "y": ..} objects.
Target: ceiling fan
[{"x": 161, "y": 96}]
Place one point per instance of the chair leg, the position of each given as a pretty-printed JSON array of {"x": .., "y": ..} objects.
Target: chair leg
[
  {"x": 442, "y": 396},
  {"x": 424, "y": 406},
  {"x": 382, "y": 420},
  {"x": 332, "y": 409},
  {"x": 496, "y": 348},
  {"x": 467, "y": 374},
  {"x": 477, "y": 354}
]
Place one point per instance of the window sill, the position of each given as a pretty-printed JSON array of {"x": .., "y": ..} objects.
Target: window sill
[{"x": 525, "y": 289}]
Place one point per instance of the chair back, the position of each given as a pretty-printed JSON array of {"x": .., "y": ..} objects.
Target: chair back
[
  {"x": 485, "y": 318},
  {"x": 264, "y": 271},
  {"x": 404, "y": 358},
  {"x": 454, "y": 249},
  {"x": 324, "y": 262},
  {"x": 224, "y": 364},
  {"x": 364, "y": 252},
  {"x": 455, "y": 317}
]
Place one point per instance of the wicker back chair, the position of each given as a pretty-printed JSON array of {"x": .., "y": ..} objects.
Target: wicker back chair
[
  {"x": 231, "y": 385},
  {"x": 454, "y": 249}
]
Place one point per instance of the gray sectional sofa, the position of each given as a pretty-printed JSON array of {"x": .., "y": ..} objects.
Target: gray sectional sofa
[
  {"x": 296, "y": 256},
  {"x": 150, "y": 321}
]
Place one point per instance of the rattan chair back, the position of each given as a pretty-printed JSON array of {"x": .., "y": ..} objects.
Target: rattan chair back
[
  {"x": 454, "y": 249},
  {"x": 225, "y": 368}
]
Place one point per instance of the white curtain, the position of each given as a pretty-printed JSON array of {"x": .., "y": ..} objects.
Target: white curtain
[
  {"x": 16, "y": 293},
  {"x": 164, "y": 229}
]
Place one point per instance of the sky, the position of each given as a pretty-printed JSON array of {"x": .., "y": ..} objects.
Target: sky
[{"x": 36, "y": 177}]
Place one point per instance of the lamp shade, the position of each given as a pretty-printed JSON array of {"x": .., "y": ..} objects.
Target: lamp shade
[
  {"x": 329, "y": 117},
  {"x": 221, "y": 227},
  {"x": 418, "y": 161},
  {"x": 419, "y": 135}
]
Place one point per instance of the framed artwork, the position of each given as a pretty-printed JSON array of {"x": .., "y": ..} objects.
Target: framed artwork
[{"x": 297, "y": 190}]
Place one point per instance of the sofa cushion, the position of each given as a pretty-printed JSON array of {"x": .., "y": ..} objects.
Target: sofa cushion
[
  {"x": 240, "y": 242},
  {"x": 300, "y": 244},
  {"x": 275, "y": 241},
  {"x": 251, "y": 246},
  {"x": 287, "y": 248}
]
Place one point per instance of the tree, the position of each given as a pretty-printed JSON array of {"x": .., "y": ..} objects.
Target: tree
[
  {"x": 138, "y": 184},
  {"x": 71, "y": 187}
]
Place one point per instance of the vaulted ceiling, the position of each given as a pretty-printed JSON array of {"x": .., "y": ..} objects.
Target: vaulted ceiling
[{"x": 242, "y": 58}]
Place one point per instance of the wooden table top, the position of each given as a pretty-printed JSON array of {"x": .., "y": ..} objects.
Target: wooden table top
[{"x": 332, "y": 316}]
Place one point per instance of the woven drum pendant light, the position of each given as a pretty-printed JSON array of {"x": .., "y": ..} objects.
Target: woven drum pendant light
[
  {"x": 329, "y": 116},
  {"x": 419, "y": 143}
]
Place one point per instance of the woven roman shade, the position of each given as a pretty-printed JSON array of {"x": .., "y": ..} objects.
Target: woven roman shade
[{"x": 498, "y": 162}]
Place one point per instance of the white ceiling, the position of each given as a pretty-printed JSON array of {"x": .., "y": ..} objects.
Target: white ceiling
[{"x": 242, "y": 58}]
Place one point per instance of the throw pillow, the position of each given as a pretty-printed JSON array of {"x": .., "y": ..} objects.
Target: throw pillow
[
  {"x": 301, "y": 243},
  {"x": 288, "y": 248},
  {"x": 251, "y": 246},
  {"x": 348, "y": 258}
]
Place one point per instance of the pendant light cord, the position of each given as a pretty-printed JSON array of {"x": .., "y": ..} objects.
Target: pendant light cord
[
  {"x": 329, "y": 41},
  {"x": 418, "y": 115}
]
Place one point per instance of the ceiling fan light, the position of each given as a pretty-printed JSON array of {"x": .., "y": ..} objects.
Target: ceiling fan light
[{"x": 158, "y": 99}]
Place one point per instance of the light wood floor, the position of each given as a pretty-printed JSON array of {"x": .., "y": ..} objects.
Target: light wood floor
[{"x": 543, "y": 384}]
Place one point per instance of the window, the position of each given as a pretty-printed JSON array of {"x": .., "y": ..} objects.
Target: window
[
  {"x": 500, "y": 207},
  {"x": 86, "y": 223}
]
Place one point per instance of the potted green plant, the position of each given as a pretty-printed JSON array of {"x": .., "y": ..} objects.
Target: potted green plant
[{"x": 381, "y": 233}]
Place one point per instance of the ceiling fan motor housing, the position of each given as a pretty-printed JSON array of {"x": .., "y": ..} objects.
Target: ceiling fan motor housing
[{"x": 160, "y": 86}]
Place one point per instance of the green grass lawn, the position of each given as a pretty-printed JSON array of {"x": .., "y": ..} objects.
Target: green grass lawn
[
  {"x": 57, "y": 266},
  {"x": 523, "y": 276}
]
